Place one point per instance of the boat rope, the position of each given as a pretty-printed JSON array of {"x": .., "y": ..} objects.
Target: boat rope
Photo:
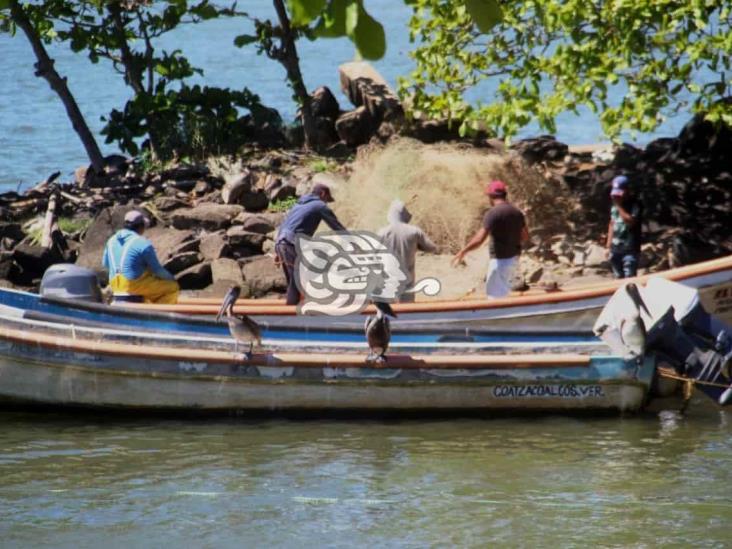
[{"x": 670, "y": 374}]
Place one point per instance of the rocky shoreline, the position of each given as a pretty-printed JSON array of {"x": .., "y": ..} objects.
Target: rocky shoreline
[{"x": 214, "y": 223}]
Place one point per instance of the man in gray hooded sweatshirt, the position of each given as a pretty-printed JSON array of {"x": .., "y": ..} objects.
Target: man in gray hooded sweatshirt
[{"x": 403, "y": 240}]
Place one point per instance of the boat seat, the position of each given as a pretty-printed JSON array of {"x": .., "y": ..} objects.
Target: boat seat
[{"x": 127, "y": 298}]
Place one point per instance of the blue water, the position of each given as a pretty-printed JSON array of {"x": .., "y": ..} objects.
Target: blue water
[{"x": 36, "y": 138}]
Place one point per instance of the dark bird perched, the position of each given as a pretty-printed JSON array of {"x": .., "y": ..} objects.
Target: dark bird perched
[
  {"x": 242, "y": 328},
  {"x": 378, "y": 331}
]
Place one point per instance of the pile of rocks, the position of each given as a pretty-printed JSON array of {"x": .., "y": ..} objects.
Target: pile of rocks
[
  {"x": 685, "y": 184},
  {"x": 210, "y": 227}
]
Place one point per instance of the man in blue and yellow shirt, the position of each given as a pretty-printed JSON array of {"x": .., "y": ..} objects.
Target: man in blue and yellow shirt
[{"x": 133, "y": 266}]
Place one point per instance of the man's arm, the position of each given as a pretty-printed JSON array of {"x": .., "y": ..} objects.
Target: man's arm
[
  {"x": 330, "y": 219},
  {"x": 628, "y": 217},
  {"x": 475, "y": 242},
  {"x": 425, "y": 244},
  {"x": 609, "y": 240},
  {"x": 152, "y": 263}
]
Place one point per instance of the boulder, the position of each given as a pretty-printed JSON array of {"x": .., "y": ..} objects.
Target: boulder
[
  {"x": 214, "y": 245},
  {"x": 365, "y": 87},
  {"x": 225, "y": 269},
  {"x": 34, "y": 260},
  {"x": 256, "y": 223},
  {"x": 324, "y": 104},
  {"x": 11, "y": 230},
  {"x": 355, "y": 127},
  {"x": 595, "y": 256},
  {"x": 168, "y": 242},
  {"x": 245, "y": 242},
  {"x": 241, "y": 189},
  {"x": 278, "y": 188},
  {"x": 181, "y": 262},
  {"x": 236, "y": 186},
  {"x": 208, "y": 216},
  {"x": 537, "y": 149},
  {"x": 196, "y": 277},
  {"x": 262, "y": 276}
]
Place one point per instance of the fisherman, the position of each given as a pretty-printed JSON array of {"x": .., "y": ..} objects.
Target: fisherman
[
  {"x": 506, "y": 226},
  {"x": 403, "y": 240},
  {"x": 133, "y": 266},
  {"x": 303, "y": 219},
  {"x": 624, "y": 230}
]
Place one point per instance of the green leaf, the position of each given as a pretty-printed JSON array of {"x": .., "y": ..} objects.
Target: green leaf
[
  {"x": 333, "y": 22},
  {"x": 485, "y": 13},
  {"x": 4, "y": 4},
  {"x": 352, "y": 11},
  {"x": 304, "y": 11},
  {"x": 369, "y": 36},
  {"x": 244, "y": 39}
]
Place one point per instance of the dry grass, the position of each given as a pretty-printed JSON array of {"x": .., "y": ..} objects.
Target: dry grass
[{"x": 443, "y": 188}]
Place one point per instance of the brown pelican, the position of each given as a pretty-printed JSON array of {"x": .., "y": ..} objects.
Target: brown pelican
[
  {"x": 242, "y": 328},
  {"x": 378, "y": 331}
]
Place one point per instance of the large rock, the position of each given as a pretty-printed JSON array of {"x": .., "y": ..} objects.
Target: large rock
[
  {"x": 214, "y": 245},
  {"x": 364, "y": 86},
  {"x": 225, "y": 269},
  {"x": 105, "y": 224},
  {"x": 258, "y": 223},
  {"x": 279, "y": 188},
  {"x": 181, "y": 262},
  {"x": 236, "y": 186},
  {"x": 356, "y": 127},
  {"x": 242, "y": 189},
  {"x": 324, "y": 104},
  {"x": 245, "y": 242},
  {"x": 262, "y": 276},
  {"x": 196, "y": 277},
  {"x": 34, "y": 260},
  {"x": 544, "y": 147},
  {"x": 208, "y": 216},
  {"x": 169, "y": 242},
  {"x": 595, "y": 256}
]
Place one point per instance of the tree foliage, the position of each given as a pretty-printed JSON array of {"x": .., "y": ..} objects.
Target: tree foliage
[{"x": 632, "y": 62}]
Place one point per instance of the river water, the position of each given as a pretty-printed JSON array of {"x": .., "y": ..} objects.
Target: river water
[
  {"x": 652, "y": 480},
  {"x": 36, "y": 138}
]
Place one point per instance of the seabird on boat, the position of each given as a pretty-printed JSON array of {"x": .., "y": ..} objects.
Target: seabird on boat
[
  {"x": 378, "y": 331},
  {"x": 242, "y": 328}
]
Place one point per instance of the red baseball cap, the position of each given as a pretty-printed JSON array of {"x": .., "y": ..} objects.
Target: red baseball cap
[{"x": 496, "y": 187}]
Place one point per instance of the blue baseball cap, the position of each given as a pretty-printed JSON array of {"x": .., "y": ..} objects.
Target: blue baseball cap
[{"x": 620, "y": 186}]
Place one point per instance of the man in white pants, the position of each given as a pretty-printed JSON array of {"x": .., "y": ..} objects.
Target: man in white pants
[{"x": 506, "y": 225}]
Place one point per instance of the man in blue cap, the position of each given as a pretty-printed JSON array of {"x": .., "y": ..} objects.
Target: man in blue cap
[{"x": 624, "y": 231}]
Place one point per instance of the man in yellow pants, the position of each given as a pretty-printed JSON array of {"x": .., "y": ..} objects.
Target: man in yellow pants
[{"x": 133, "y": 266}]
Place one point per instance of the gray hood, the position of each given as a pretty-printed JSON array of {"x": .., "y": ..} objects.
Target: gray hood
[{"x": 398, "y": 213}]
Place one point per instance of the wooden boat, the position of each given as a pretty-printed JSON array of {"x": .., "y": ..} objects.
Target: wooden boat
[
  {"x": 170, "y": 362},
  {"x": 574, "y": 309},
  {"x": 127, "y": 368},
  {"x": 560, "y": 312}
]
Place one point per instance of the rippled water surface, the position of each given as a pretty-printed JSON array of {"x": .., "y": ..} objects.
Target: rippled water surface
[{"x": 644, "y": 481}]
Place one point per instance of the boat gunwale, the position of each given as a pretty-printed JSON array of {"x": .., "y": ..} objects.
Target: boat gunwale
[
  {"x": 594, "y": 291},
  {"x": 308, "y": 360}
]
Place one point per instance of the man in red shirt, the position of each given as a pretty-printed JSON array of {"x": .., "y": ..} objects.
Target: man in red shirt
[{"x": 506, "y": 226}]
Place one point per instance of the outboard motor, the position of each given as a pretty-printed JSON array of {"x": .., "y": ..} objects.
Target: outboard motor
[
  {"x": 674, "y": 326},
  {"x": 70, "y": 281}
]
